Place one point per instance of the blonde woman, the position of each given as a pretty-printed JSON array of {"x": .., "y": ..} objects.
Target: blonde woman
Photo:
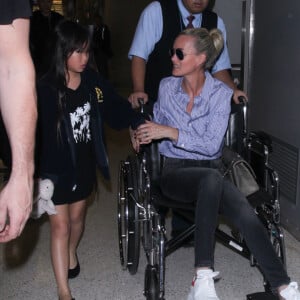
[{"x": 190, "y": 118}]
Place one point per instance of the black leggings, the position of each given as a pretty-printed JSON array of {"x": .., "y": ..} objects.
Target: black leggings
[{"x": 200, "y": 182}]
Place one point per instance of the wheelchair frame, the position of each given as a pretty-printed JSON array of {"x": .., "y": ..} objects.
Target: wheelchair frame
[{"x": 139, "y": 219}]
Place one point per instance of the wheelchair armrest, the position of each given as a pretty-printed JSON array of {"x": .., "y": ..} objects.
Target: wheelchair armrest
[
  {"x": 257, "y": 145},
  {"x": 258, "y": 157},
  {"x": 237, "y": 127},
  {"x": 273, "y": 185},
  {"x": 154, "y": 160},
  {"x": 261, "y": 137}
]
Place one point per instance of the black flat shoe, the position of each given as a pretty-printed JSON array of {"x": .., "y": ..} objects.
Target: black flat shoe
[{"x": 72, "y": 273}]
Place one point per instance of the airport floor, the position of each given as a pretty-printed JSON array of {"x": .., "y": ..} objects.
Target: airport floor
[{"x": 25, "y": 266}]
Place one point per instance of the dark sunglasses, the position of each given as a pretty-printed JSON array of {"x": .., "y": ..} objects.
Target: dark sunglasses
[{"x": 178, "y": 52}]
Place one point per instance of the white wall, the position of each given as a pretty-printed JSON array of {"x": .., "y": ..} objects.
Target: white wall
[{"x": 231, "y": 13}]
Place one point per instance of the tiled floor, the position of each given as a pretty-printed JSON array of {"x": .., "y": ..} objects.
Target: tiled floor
[{"x": 25, "y": 268}]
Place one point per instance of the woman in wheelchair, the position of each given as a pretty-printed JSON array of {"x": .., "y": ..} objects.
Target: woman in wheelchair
[{"x": 190, "y": 120}]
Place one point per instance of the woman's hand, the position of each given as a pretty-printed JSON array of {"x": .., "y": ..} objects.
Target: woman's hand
[{"x": 152, "y": 131}]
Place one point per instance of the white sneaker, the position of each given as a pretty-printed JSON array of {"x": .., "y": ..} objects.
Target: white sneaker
[
  {"x": 203, "y": 287},
  {"x": 291, "y": 292}
]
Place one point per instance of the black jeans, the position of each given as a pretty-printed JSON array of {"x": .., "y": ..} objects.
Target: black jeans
[{"x": 200, "y": 182}]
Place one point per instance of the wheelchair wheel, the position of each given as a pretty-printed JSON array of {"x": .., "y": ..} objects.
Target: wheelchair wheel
[
  {"x": 128, "y": 223},
  {"x": 151, "y": 283},
  {"x": 123, "y": 214},
  {"x": 133, "y": 218}
]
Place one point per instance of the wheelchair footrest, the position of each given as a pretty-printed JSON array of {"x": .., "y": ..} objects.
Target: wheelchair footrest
[{"x": 262, "y": 296}]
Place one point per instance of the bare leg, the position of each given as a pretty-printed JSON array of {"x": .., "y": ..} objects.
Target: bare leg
[
  {"x": 60, "y": 235},
  {"x": 77, "y": 220}
]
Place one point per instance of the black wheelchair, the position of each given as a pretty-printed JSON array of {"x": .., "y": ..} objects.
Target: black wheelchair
[{"x": 140, "y": 222}]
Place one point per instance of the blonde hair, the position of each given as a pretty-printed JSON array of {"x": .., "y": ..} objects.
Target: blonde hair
[{"x": 210, "y": 43}]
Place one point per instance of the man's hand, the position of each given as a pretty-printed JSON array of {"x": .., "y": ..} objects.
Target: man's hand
[
  {"x": 134, "y": 99},
  {"x": 15, "y": 206},
  {"x": 238, "y": 93}
]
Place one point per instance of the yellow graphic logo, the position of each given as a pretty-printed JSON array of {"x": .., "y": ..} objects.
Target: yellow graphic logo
[{"x": 99, "y": 94}]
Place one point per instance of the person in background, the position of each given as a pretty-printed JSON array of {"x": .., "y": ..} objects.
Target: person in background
[
  {"x": 102, "y": 46},
  {"x": 73, "y": 103},
  {"x": 19, "y": 114},
  {"x": 190, "y": 120},
  {"x": 159, "y": 24},
  {"x": 42, "y": 26}
]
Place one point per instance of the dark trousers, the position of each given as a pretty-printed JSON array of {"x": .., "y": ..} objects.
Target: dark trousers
[{"x": 201, "y": 183}]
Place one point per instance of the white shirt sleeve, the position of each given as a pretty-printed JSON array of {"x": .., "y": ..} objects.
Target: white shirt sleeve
[
  {"x": 223, "y": 61},
  {"x": 148, "y": 31}
]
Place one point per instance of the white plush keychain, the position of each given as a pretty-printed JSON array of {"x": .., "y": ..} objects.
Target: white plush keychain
[{"x": 42, "y": 201}]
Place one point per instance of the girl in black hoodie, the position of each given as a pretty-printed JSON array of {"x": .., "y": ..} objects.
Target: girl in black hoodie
[{"x": 73, "y": 102}]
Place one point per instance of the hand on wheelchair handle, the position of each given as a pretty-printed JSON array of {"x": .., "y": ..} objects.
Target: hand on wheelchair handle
[
  {"x": 239, "y": 96},
  {"x": 135, "y": 97}
]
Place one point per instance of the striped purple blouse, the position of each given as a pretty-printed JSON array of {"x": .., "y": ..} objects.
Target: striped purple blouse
[{"x": 201, "y": 133}]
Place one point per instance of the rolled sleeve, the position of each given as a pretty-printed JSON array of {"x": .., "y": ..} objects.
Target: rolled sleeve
[
  {"x": 182, "y": 140},
  {"x": 223, "y": 61},
  {"x": 148, "y": 31}
]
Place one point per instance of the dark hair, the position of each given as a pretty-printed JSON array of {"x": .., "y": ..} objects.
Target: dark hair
[{"x": 69, "y": 37}]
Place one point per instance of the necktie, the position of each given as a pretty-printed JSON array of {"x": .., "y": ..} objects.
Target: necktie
[{"x": 190, "y": 19}]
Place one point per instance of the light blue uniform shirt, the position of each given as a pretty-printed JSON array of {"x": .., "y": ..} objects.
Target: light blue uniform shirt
[
  {"x": 150, "y": 27},
  {"x": 201, "y": 133}
]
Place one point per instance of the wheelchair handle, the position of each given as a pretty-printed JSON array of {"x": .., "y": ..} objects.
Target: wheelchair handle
[
  {"x": 244, "y": 103},
  {"x": 142, "y": 104},
  {"x": 242, "y": 99}
]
